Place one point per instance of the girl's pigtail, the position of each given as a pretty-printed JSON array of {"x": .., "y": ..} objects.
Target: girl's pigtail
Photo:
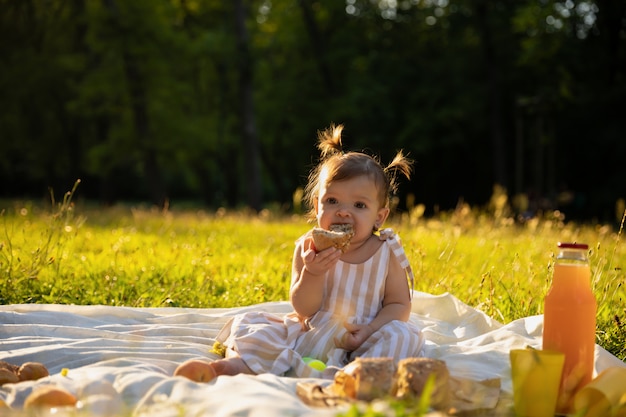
[
  {"x": 330, "y": 141},
  {"x": 400, "y": 165}
]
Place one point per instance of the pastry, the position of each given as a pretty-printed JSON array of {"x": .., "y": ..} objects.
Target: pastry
[
  {"x": 413, "y": 375},
  {"x": 338, "y": 236},
  {"x": 365, "y": 379}
]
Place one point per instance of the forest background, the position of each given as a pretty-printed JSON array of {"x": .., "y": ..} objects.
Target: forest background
[{"x": 219, "y": 102}]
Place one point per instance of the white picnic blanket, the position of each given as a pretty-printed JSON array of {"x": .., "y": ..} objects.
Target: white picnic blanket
[{"x": 120, "y": 360}]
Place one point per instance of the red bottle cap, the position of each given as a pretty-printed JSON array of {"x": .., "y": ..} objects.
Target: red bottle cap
[{"x": 566, "y": 245}]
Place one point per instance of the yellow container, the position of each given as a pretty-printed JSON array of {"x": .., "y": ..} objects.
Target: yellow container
[
  {"x": 536, "y": 376},
  {"x": 605, "y": 396}
]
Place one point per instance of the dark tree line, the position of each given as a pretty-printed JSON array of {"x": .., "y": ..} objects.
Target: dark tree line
[{"x": 220, "y": 101}]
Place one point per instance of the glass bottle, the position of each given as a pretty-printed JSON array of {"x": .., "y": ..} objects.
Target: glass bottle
[{"x": 569, "y": 321}]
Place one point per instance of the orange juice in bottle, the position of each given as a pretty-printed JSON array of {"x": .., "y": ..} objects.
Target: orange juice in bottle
[{"x": 569, "y": 321}]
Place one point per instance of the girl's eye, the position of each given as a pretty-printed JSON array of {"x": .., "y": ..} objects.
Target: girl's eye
[
  {"x": 331, "y": 200},
  {"x": 359, "y": 205}
]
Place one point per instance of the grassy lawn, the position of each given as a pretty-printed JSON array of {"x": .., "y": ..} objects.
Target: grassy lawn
[{"x": 132, "y": 256}]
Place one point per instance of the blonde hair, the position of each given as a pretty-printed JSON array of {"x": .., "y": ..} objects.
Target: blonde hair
[{"x": 337, "y": 165}]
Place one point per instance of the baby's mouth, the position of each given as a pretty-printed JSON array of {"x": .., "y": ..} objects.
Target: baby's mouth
[{"x": 342, "y": 227}]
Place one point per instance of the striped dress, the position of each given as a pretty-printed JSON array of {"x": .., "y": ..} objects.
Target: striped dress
[{"x": 269, "y": 343}]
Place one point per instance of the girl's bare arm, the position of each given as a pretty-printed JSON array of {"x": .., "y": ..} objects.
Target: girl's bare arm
[
  {"x": 397, "y": 299},
  {"x": 307, "y": 281}
]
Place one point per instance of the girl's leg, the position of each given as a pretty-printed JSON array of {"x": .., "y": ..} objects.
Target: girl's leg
[{"x": 395, "y": 339}]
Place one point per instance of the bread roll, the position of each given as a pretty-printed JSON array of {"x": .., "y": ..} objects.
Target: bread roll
[
  {"x": 8, "y": 377},
  {"x": 338, "y": 236},
  {"x": 50, "y": 396},
  {"x": 32, "y": 371},
  {"x": 365, "y": 379},
  {"x": 413, "y": 373}
]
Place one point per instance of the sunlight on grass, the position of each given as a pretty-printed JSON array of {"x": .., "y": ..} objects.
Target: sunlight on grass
[{"x": 139, "y": 257}]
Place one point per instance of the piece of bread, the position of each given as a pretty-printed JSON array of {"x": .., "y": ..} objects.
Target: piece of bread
[
  {"x": 29, "y": 371},
  {"x": 413, "y": 374},
  {"x": 365, "y": 379},
  {"x": 338, "y": 236},
  {"x": 50, "y": 396}
]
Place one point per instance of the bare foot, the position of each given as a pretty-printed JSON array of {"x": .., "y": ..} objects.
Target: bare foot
[
  {"x": 196, "y": 370},
  {"x": 202, "y": 371}
]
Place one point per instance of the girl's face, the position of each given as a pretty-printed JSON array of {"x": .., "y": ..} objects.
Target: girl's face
[{"x": 353, "y": 201}]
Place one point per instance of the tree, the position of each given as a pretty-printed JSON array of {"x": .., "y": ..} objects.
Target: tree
[
  {"x": 250, "y": 143},
  {"x": 220, "y": 102}
]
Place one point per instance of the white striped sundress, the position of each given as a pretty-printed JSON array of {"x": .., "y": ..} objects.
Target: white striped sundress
[{"x": 269, "y": 343}]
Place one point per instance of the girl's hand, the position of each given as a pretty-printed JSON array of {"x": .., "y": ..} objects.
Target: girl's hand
[
  {"x": 354, "y": 337},
  {"x": 317, "y": 263}
]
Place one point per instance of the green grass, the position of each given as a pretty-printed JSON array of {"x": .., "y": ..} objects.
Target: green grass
[{"x": 132, "y": 256}]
